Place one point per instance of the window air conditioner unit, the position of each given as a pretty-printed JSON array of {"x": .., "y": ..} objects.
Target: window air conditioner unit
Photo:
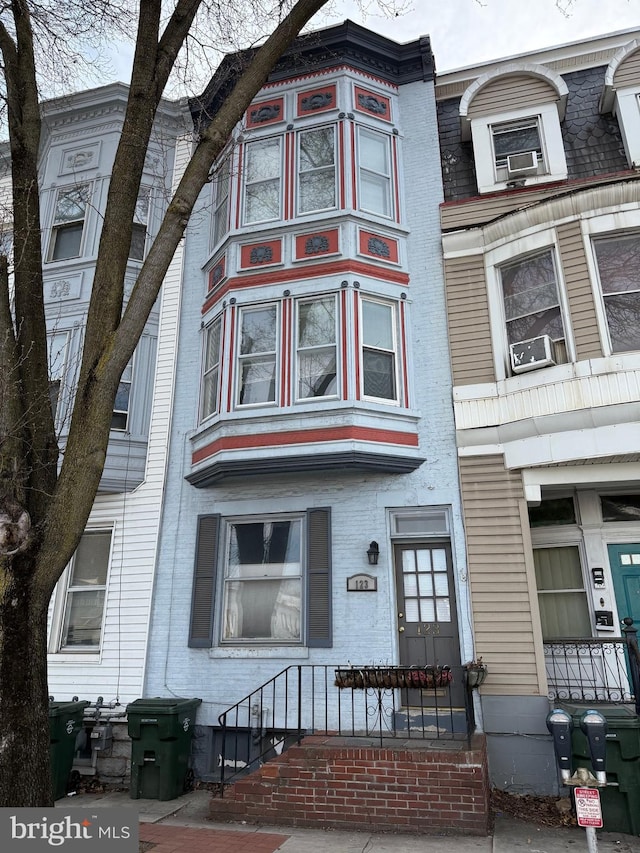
[
  {"x": 519, "y": 165},
  {"x": 531, "y": 354}
]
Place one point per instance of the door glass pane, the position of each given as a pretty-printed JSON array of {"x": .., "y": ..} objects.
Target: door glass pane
[
  {"x": 425, "y": 584},
  {"x": 423, "y": 560},
  {"x": 410, "y": 585},
  {"x": 411, "y": 611},
  {"x": 439, "y": 558},
  {"x": 408, "y": 561},
  {"x": 443, "y": 609},
  {"x": 441, "y": 584},
  {"x": 427, "y": 610}
]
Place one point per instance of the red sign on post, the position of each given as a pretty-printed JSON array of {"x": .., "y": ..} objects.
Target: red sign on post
[{"x": 588, "y": 808}]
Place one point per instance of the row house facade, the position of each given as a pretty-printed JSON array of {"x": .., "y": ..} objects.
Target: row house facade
[
  {"x": 541, "y": 245},
  {"x": 312, "y": 419},
  {"x": 100, "y": 610}
]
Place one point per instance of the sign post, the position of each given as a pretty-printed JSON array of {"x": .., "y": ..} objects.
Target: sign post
[{"x": 589, "y": 814}]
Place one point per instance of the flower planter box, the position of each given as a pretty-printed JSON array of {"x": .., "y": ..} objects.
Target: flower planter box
[{"x": 393, "y": 677}]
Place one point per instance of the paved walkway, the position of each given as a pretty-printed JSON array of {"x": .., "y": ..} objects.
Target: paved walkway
[{"x": 182, "y": 826}]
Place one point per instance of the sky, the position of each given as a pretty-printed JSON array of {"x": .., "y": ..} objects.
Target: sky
[{"x": 464, "y": 32}]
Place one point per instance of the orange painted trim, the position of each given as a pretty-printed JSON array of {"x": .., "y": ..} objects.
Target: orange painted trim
[
  {"x": 247, "y": 248},
  {"x": 232, "y": 359},
  {"x": 396, "y": 178},
  {"x": 239, "y": 196},
  {"x": 329, "y": 89},
  {"x": 356, "y": 338},
  {"x": 305, "y": 436},
  {"x": 354, "y": 175},
  {"x": 358, "y": 90},
  {"x": 363, "y": 247},
  {"x": 341, "y": 158},
  {"x": 305, "y": 272},
  {"x": 331, "y": 237},
  {"x": 403, "y": 344},
  {"x": 255, "y": 109},
  {"x": 343, "y": 337}
]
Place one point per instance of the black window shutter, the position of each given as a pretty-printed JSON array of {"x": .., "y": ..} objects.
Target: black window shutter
[
  {"x": 319, "y": 634},
  {"x": 204, "y": 582}
]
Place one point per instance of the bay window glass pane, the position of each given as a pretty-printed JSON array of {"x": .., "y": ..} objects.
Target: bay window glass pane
[
  {"x": 531, "y": 303},
  {"x": 317, "y": 360},
  {"x": 317, "y": 170},
  {"x": 211, "y": 368},
  {"x": 564, "y": 611},
  {"x": 374, "y": 172},
  {"x": 262, "y": 181},
  {"x": 68, "y": 222},
  {"x": 378, "y": 352},
  {"x": 379, "y": 378},
  {"x": 257, "y": 355},
  {"x": 120, "y": 416},
  {"x": 618, "y": 259},
  {"x": 67, "y": 241},
  {"x": 377, "y": 320},
  {"x": 263, "y": 581}
]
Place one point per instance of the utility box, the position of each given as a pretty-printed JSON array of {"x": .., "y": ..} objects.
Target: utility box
[
  {"x": 621, "y": 797},
  {"x": 161, "y": 731},
  {"x": 65, "y": 722}
]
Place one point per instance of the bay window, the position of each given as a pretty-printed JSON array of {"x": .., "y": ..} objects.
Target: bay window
[
  {"x": 316, "y": 347},
  {"x": 316, "y": 170},
  {"x": 221, "y": 184},
  {"x": 211, "y": 369},
  {"x": 140, "y": 222},
  {"x": 257, "y": 356},
  {"x": 262, "y": 183},
  {"x": 68, "y": 222},
  {"x": 379, "y": 350},
  {"x": 120, "y": 416},
  {"x": 618, "y": 260},
  {"x": 374, "y": 184},
  {"x": 57, "y": 343}
]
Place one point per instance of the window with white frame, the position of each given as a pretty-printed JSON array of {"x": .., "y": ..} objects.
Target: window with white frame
[
  {"x": 221, "y": 187},
  {"x": 316, "y": 347},
  {"x": 262, "y": 180},
  {"x": 618, "y": 259},
  {"x": 374, "y": 161},
  {"x": 68, "y": 222},
  {"x": 211, "y": 369},
  {"x": 57, "y": 343},
  {"x": 263, "y": 570},
  {"x": 120, "y": 416},
  {"x": 140, "y": 222},
  {"x": 518, "y": 149},
  {"x": 84, "y": 596},
  {"x": 562, "y": 599},
  {"x": 316, "y": 170},
  {"x": 257, "y": 358},
  {"x": 379, "y": 351},
  {"x": 531, "y": 301}
]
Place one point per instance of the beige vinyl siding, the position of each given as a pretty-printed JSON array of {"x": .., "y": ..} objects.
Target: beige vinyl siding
[
  {"x": 500, "y": 576},
  {"x": 579, "y": 291},
  {"x": 628, "y": 72},
  {"x": 511, "y": 92},
  {"x": 480, "y": 210},
  {"x": 468, "y": 315}
]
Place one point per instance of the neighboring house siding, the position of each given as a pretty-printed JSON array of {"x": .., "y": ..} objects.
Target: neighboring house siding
[
  {"x": 628, "y": 72},
  {"x": 117, "y": 672},
  {"x": 511, "y": 93},
  {"x": 579, "y": 291},
  {"x": 501, "y": 584},
  {"x": 469, "y": 326}
]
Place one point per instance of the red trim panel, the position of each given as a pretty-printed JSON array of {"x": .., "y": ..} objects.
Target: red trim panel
[
  {"x": 305, "y": 436},
  {"x": 314, "y": 101},
  {"x": 371, "y": 103},
  {"x": 264, "y": 113},
  {"x": 317, "y": 243},
  {"x": 267, "y": 253},
  {"x": 378, "y": 247}
]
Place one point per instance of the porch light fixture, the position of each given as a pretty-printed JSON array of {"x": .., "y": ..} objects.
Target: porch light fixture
[{"x": 373, "y": 552}]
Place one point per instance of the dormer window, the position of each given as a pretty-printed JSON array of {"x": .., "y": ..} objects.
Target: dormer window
[{"x": 517, "y": 148}]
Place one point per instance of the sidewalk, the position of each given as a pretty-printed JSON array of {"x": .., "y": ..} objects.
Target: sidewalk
[{"x": 181, "y": 826}]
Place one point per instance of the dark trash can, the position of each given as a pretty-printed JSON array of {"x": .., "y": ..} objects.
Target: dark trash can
[
  {"x": 621, "y": 797},
  {"x": 161, "y": 731},
  {"x": 65, "y": 723}
]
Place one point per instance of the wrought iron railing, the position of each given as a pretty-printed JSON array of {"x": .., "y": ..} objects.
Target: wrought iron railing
[
  {"x": 360, "y": 702},
  {"x": 595, "y": 669}
]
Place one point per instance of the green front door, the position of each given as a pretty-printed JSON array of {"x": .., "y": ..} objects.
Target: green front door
[{"x": 625, "y": 570}]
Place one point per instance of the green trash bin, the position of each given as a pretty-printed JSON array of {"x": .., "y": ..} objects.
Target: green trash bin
[
  {"x": 160, "y": 732},
  {"x": 621, "y": 797},
  {"x": 65, "y": 722}
]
